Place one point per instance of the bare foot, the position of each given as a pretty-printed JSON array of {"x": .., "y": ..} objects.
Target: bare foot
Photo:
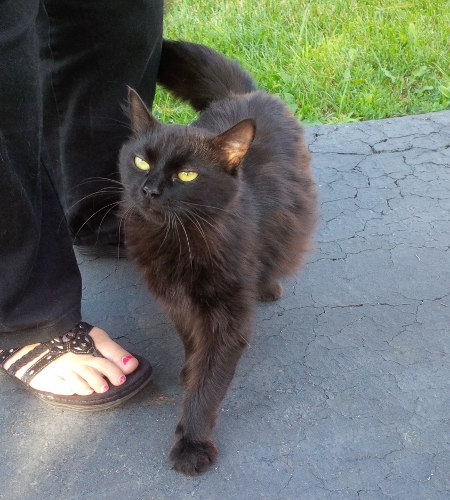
[{"x": 81, "y": 374}]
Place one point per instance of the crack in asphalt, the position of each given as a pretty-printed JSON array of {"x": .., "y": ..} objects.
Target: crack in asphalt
[{"x": 344, "y": 392}]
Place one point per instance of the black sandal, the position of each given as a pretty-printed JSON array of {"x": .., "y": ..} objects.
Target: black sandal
[{"x": 77, "y": 341}]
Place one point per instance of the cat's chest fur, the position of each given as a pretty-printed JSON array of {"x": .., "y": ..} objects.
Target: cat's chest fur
[
  {"x": 238, "y": 209},
  {"x": 187, "y": 262}
]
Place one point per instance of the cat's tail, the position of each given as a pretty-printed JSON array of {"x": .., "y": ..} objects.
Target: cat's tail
[{"x": 201, "y": 75}]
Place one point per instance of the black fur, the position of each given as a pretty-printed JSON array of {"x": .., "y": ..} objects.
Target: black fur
[{"x": 210, "y": 248}]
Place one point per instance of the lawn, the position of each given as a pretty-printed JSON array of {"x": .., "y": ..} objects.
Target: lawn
[{"x": 330, "y": 60}]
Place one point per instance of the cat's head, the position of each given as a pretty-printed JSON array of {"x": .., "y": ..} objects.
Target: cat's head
[{"x": 175, "y": 168}]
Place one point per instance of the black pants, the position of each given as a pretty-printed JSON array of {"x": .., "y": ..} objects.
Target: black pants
[{"x": 64, "y": 67}]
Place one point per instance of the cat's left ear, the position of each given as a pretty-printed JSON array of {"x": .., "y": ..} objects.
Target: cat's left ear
[
  {"x": 234, "y": 143},
  {"x": 141, "y": 118}
]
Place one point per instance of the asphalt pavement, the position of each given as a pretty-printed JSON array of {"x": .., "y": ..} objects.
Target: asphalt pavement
[{"x": 344, "y": 392}]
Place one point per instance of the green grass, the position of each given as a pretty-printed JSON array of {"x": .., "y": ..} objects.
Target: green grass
[{"x": 330, "y": 60}]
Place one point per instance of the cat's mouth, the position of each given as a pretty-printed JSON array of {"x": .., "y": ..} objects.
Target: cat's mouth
[{"x": 152, "y": 212}]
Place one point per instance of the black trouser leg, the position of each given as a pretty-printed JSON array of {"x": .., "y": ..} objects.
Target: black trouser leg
[
  {"x": 40, "y": 286},
  {"x": 83, "y": 85},
  {"x": 92, "y": 49}
]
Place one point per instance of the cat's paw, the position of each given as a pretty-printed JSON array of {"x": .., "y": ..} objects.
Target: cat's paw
[
  {"x": 192, "y": 458},
  {"x": 271, "y": 292}
]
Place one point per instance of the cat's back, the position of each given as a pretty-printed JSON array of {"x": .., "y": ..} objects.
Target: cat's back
[
  {"x": 278, "y": 142},
  {"x": 276, "y": 168}
]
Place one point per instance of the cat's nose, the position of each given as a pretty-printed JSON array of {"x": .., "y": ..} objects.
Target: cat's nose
[{"x": 151, "y": 191}]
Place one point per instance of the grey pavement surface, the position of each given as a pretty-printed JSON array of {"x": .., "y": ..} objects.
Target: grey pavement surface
[{"x": 344, "y": 392}]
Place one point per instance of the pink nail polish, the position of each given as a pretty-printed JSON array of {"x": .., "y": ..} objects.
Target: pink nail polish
[
  {"x": 125, "y": 359},
  {"x": 105, "y": 387},
  {"x": 122, "y": 379}
]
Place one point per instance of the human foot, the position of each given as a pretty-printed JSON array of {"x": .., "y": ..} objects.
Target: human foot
[
  {"x": 80, "y": 374},
  {"x": 82, "y": 362}
]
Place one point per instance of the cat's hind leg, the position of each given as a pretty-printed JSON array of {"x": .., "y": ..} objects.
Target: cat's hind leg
[
  {"x": 269, "y": 286},
  {"x": 270, "y": 291}
]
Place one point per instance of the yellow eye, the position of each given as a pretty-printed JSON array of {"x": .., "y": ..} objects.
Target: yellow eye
[
  {"x": 187, "y": 176},
  {"x": 141, "y": 164}
]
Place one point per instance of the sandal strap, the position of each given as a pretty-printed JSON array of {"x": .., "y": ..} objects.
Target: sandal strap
[
  {"x": 80, "y": 328},
  {"x": 6, "y": 354},
  {"x": 24, "y": 360},
  {"x": 39, "y": 365},
  {"x": 76, "y": 341}
]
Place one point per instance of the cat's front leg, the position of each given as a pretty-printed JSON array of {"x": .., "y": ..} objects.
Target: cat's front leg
[
  {"x": 184, "y": 372},
  {"x": 185, "y": 332},
  {"x": 210, "y": 370}
]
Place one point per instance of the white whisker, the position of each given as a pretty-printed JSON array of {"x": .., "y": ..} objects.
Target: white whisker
[
  {"x": 105, "y": 190},
  {"x": 95, "y": 213},
  {"x": 187, "y": 238},
  {"x": 206, "y": 206}
]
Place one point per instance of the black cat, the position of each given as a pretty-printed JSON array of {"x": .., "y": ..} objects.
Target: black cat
[{"x": 216, "y": 213}]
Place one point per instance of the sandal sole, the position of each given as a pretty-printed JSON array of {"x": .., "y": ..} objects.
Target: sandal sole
[
  {"x": 115, "y": 396},
  {"x": 91, "y": 408}
]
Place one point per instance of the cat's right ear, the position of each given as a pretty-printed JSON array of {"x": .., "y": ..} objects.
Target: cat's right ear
[
  {"x": 235, "y": 142},
  {"x": 140, "y": 117}
]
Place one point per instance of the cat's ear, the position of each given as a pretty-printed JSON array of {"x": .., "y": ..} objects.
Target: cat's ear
[
  {"x": 234, "y": 143},
  {"x": 140, "y": 117}
]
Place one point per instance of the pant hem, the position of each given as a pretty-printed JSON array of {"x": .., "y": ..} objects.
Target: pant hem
[{"x": 19, "y": 338}]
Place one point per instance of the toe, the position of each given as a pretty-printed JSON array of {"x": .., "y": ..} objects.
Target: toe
[
  {"x": 93, "y": 377},
  {"x": 78, "y": 384},
  {"x": 108, "y": 370},
  {"x": 113, "y": 351},
  {"x": 50, "y": 383}
]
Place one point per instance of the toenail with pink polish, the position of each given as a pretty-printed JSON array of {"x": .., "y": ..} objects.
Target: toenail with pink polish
[
  {"x": 122, "y": 379},
  {"x": 126, "y": 359},
  {"x": 105, "y": 387}
]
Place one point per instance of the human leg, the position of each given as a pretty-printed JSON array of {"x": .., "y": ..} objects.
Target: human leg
[
  {"x": 91, "y": 50},
  {"x": 35, "y": 247},
  {"x": 40, "y": 288}
]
